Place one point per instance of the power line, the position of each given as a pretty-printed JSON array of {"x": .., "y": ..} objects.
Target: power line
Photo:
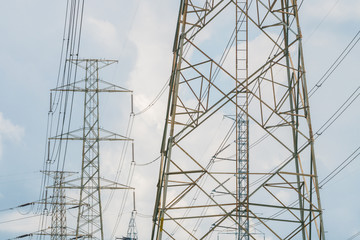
[
  {"x": 339, "y": 111},
  {"x": 20, "y": 206},
  {"x": 354, "y": 236},
  {"x": 336, "y": 63},
  {"x": 322, "y": 20},
  {"x": 54, "y": 150},
  {"x": 148, "y": 163},
  {"x": 157, "y": 97},
  {"x": 18, "y": 219},
  {"x": 122, "y": 207},
  {"x": 340, "y": 167}
]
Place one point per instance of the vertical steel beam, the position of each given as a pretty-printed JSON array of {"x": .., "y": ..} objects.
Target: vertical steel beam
[{"x": 242, "y": 127}]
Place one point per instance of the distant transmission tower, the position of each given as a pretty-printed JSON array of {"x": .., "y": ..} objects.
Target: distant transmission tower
[
  {"x": 89, "y": 219},
  {"x": 132, "y": 232},
  {"x": 59, "y": 203},
  {"x": 58, "y": 217},
  {"x": 244, "y": 59}
]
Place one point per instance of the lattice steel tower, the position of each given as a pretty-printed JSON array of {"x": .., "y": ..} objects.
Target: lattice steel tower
[
  {"x": 59, "y": 230},
  {"x": 245, "y": 59},
  {"x": 89, "y": 219},
  {"x": 132, "y": 232}
]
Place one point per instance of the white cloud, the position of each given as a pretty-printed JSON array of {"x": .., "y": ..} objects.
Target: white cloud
[
  {"x": 9, "y": 131},
  {"x": 102, "y": 31}
]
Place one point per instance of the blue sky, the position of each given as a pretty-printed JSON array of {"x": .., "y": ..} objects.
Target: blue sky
[{"x": 140, "y": 34}]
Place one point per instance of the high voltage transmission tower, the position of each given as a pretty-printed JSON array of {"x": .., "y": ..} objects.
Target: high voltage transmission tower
[
  {"x": 132, "y": 232},
  {"x": 259, "y": 178},
  {"x": 89, "y": 219},
  {"x": 54, "y": 206},
  {"x": 59, "y": 203},
  {"x": 58, "y": 216}
]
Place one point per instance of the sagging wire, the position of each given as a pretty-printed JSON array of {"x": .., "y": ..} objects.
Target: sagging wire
[
  {"x": 339, "y": 112},
  {"x": 154, "y": 101},
  {"x": 125, "y": 197},
  {"x": 336, "y": 63},
  {"x": 122, "y": 157},
  {"x": 18, "y": 219},
  {"x": 54, "y": 150},
  {"x": 148, "y": 163},
  {"x": 19, "y": 206},
  {"x": 340, "y": 167},
  {"x": 354, "y": 236},
  {"x": 322, "y": 20}
]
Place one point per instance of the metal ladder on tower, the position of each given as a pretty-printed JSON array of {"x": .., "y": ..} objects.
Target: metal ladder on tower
[{"x": 242, "y": 137}]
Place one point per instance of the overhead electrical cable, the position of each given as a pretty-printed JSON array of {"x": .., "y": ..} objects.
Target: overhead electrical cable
[
  {"x": 322, "y": 20},
  {"x": 125, "y": 197},
  {"x": 340, "y": 167},
  {"x": 354, "y": 236},
  {"x": 148, "y": 163},
  {"x": 122, "y": 157},
  {"x": 18, "y": 219},
  {"x": 52, "y": 104},
  {"x": 55, "y": 152},
  {"x": 339, "y": 111},
  {"x": 336, "y": 63},
  {"x": 19, "y": 206},
  {"x": 157, "y": 97}
]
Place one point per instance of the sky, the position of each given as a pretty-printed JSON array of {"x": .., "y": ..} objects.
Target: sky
[{"x": 139, "y": 34}]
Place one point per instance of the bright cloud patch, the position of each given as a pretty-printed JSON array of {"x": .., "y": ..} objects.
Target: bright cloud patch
[
  {"x": 9, "y": 131},
  {"x": 103, "y": 38}
]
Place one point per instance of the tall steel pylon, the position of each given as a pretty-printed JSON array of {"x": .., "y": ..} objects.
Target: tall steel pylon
[
  {"x": 56, "y": 206},
  {"x": 132, "y": 232},
  {"x": 264, "y": 170},
  {"x": 89, "y": 218},
  {"x": 58, "y": 217},
  {"x": 59, "y": 203}
]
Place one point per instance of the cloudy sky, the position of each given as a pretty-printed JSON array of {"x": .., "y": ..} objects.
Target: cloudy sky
[{"x": 139, "y": 34}]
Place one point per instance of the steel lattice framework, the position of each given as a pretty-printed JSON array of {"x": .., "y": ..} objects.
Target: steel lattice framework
[
  {"x": 245, "y": 59},
  {"x": 57, "y": 203},
  {"x": 89, "y": 219},
  {"x": 58, "y": 216},
  {"x": 132, "y": 232}
]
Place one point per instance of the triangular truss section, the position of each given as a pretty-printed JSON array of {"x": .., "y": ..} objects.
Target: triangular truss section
[
  {"x": 104, "y": 135},
  {"x": 104, "y": 86}
]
